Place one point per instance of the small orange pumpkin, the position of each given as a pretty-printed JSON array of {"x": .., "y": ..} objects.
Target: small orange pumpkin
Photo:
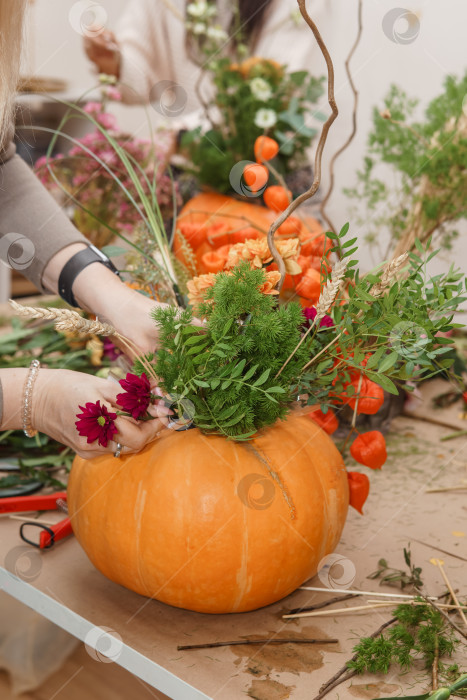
[{"x": 210, "y": 524}]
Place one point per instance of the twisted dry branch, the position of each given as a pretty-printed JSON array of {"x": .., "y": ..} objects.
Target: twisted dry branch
[
  {"x": 338, "y": 153},
  {"x": 319, "y": 151}
]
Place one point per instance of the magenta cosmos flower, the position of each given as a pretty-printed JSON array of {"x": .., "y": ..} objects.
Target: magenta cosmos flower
[
  {"x": 96, "y": 423},
  {"x": 137, "y": 396},
  {"x": 310, "y": 314}
]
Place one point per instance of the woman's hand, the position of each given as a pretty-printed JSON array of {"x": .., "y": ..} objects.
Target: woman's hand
[
  {"x": 57, "y": 396},
  {"x": 104, "y": 52},
  {"x": 129, "y": 312}
]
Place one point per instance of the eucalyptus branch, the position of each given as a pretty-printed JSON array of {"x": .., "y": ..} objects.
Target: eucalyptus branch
[
  {"x": 324, "y": 201},
  {"x": 319, "y": 151}
]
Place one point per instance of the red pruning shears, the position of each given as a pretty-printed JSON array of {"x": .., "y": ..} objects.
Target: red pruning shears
[{"x": 53, "y": 501}]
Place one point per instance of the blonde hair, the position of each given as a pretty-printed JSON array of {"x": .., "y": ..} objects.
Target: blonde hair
[{"x": 11, "y": 31}]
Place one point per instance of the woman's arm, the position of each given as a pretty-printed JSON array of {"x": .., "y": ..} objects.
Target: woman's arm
[
  {"x": 33, "y": 228},
  {"x": 43, "y": 231}
]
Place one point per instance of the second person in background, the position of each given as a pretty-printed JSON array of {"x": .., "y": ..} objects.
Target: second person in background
[{"x": 150, "y": 49}]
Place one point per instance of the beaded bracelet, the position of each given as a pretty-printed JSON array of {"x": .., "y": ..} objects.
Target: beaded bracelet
[{"x": 27, "y": 398}]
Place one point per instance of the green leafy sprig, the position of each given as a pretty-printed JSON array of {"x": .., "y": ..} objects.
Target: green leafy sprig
[
  {"x": 393, "y": 337},
  {"x": 228, "y": 368}
]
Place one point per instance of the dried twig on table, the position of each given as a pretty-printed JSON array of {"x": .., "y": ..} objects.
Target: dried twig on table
[
  {"x": 319, "y": 151},
  {"x": 344, "y": 674},
  {"x": 322, "y": 208},
  {"x": 448, "y": 488},
  {"x": 438, "y": 549},
  {"x": 372, "y": 605},
  {"x": 211, "y": 645},
  {"x": 341, "y": 611},
  {"x": 379, "y": 594},
  {"x": 444, "y": 606},
  {"x": 323, "y": 604}
]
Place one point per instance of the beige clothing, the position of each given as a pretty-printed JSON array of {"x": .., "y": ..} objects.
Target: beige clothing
[
  {"x": 26, "y": 208},
  {"x": 151, "y": 36}
]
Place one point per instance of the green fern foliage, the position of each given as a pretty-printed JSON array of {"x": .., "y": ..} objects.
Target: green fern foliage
[{"x": 228, "y": 368}]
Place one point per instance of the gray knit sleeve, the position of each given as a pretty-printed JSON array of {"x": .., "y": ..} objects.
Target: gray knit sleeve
[{"x": 33, "y": 228}]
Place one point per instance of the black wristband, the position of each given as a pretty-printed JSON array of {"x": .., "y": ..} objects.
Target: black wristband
[{"x": 75, "y": 265}]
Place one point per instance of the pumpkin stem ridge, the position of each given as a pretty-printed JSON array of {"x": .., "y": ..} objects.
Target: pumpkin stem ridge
[{"x": 261, "y": 457}]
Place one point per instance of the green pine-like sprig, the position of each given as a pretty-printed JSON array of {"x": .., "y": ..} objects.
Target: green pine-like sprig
[{"x": 228, "y": 369}]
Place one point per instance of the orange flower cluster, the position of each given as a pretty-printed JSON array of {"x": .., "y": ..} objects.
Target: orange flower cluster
[
  {"x": 198, "y": 286},
  {"x": 258, "y": 253}
]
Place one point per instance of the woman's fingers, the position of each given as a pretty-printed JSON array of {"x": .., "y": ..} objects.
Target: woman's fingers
[
  {"x": 132, "y": 435},
  {"x": 136, "y": 436}
]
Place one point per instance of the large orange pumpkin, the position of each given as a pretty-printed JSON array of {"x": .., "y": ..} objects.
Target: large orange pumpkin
[{"x": 209, "y": 524}]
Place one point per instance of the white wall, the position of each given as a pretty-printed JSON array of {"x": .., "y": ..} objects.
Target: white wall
[{"x": 419, "y": 67}]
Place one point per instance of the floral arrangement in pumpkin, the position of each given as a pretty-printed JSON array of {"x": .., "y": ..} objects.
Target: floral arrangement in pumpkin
[
  {"x": 255, "y": 359},
  {"x": 252, "y": 96},
  {"x": 93, "y": 176}
]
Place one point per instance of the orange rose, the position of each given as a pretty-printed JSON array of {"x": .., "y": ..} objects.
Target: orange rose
[
  {"x": 272, "y": 278},
  {"x": 289, "y": 252},
  {"x": 197, "y": 288},
  {"x": 255, "y": 250}
]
